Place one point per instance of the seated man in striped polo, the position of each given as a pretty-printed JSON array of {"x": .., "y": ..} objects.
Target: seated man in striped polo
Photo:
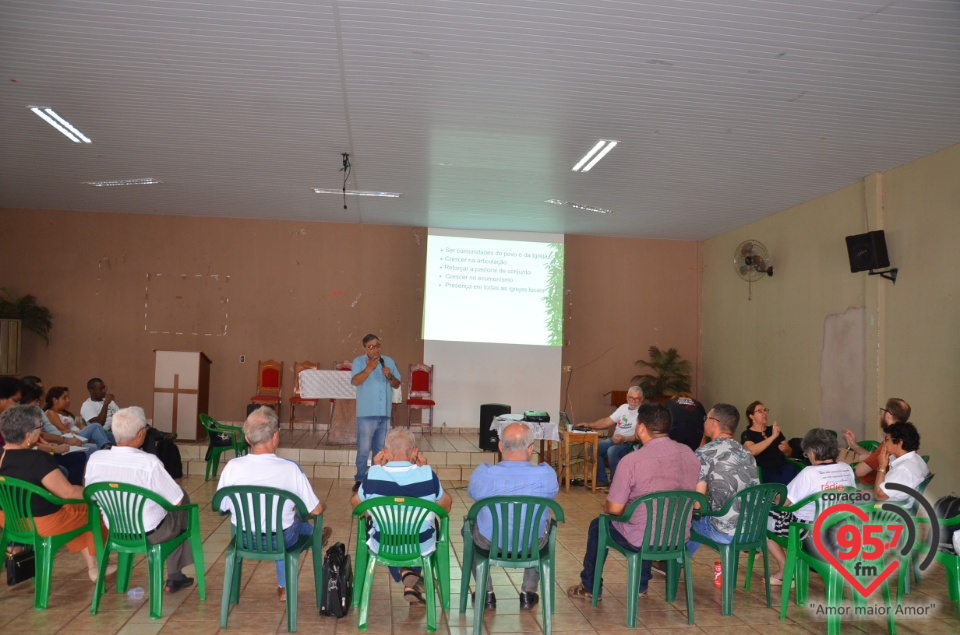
[{"x": 401, "y": 470}]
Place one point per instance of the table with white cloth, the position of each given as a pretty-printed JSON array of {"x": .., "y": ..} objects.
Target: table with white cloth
[
  {"x": 337, "y": 385},
  {"x": 543, "y": 431}
]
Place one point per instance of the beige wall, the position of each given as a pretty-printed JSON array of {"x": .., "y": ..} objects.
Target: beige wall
[
  {"x": 769, "y": 348},
  {"x": 624, "y": 295},
  {"x": 294, "y": 290},
  {"x": 289, "y": 290}
]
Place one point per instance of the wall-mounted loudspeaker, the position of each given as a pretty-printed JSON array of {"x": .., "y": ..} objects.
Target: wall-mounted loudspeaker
[{"x": 867, "y": 251}]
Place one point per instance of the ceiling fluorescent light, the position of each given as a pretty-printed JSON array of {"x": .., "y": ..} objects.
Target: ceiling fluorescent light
[
  {"x": 146, "y": 181},
  {"x": 588, "y": 208},
  {"x": 587, "y": 156},
  {"x": 61, "y": 124},
  {"x": 326, "y": 190},
  {"x": 610, "y": 146}
]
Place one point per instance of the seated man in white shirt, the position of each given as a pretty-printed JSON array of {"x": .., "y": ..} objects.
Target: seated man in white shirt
[
  {"x": 100, "y": 407},
  {"x": 899, "y": 463},
  {"x": 264, "y": 468},
  {"x": 127, "y": 463}
]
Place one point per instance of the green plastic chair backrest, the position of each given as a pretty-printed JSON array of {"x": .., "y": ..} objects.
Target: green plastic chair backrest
[
  {"x": 518, "y": 522},
  {"x": 754, "y": 505},
  {"x": 869, "y": 445},
  {"x": 209, "y": 423},
  {"x": 215, "y": 427},
  {"x": 399, "y": 521},
  {"x": 123, "y": 506},
  {"x": 258, "y": 515},
  {"x": 16, "y": 502},
  {"x": 668, "y": 516},
  {"x": 922, "y": 487}
]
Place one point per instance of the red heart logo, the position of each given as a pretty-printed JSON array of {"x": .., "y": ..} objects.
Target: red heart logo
[{"x": 848, "y": 576}]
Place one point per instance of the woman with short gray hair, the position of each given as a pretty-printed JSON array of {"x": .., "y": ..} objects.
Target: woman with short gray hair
[
  {"x": 823, "y": 474},
  {"x": 21, "y": 426}
]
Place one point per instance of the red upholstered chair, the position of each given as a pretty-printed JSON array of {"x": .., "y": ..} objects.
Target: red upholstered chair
[
  {"x": 269, "y": 384},
  {"x": 297, "y": 400},
  {"x": 420, "y": 395}
]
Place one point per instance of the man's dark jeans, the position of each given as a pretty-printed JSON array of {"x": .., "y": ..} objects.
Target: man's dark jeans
[{"x": 590, "y": 557}]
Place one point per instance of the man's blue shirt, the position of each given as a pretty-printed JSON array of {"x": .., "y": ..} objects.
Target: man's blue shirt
[
  {"x": 375, "y": 394},
  {"x": 511, "y": 478}
]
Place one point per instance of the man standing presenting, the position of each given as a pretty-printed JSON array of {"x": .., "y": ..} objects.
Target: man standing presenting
[
  {"x": 515, "y": 475},
  {"x": 896, "y": 411},
  {"x": 624, "y": 419},
  {"x": 127, "y": 463},
  {"x": 375, "y": 377},
  {"x": 726, "y": 468},
  {"x": 660, "y": 465}
]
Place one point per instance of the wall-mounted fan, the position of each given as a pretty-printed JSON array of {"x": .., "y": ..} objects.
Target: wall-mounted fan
[{"x": 751, "y": 261}]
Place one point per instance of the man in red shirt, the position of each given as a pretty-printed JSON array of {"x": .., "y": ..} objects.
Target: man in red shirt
[{"x": 896, "y": 411}]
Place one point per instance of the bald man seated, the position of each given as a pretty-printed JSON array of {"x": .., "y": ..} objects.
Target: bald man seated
[{"x": 515, "y": 475}]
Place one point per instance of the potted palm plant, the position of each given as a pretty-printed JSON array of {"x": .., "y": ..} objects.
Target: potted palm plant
[
  {"x": 16, "y": 314},
  {"x": 670, "y": 374}
]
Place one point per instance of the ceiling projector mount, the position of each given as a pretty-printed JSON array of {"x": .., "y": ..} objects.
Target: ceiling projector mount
[{"x": 751, "y": 261}]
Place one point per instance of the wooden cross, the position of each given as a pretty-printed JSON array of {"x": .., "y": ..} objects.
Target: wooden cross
[{"x": 177, "y": 390}]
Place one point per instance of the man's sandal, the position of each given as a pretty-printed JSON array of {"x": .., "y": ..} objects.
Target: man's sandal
[
  {"x": 413, "y": 585},
  {"x": 579, "y": 592}
]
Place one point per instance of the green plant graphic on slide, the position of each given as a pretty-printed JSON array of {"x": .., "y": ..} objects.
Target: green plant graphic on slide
[{"x": 553, "y": 296}]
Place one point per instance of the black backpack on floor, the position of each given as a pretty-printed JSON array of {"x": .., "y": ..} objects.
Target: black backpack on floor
[
  {"x": 946, "y": 508},
  {"x": 337, "y": 582}
]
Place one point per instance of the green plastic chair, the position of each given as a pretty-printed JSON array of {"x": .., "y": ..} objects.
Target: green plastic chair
[
  {"x": 16, "y": 498},
  {"x": 664, "y": 538},
  {"x": 950, "y": 562},
  {"x": 399, "y": 520},
  {"x": 798, "y": 557},
  {"x": 869, "y": 445},
  {"x": 516, "y": 523},
  {"x": 258, "y": 535},
  {"x": 238, "y": 445},
  {"x": 750, "y": 535},
  {"x": 122, "y": 505},
  {"x": 802, "y": 572}
]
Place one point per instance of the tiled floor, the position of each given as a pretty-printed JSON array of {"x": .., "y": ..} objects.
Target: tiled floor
[{"x": 260, "y": 612}]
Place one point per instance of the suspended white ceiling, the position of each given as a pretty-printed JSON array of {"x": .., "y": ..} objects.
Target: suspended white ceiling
[{"x": 475, "y": 112}]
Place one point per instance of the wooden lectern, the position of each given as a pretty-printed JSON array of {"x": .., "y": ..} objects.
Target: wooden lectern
[{"x": 181, "y": 391}]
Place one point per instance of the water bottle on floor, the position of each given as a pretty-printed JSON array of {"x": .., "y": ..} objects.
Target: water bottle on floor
[{"x": 135, "y": 593}]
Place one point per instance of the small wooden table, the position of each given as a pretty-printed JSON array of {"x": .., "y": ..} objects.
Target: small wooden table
[{"x": 565, "y": 465}]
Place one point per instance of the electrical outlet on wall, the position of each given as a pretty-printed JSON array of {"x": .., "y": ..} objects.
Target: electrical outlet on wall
[{"x": 568, "y": 369}]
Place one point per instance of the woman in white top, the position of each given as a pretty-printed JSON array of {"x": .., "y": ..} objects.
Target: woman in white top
[
  {"x": 824, "y": 474},
  {"x": 58, "y": 404}
]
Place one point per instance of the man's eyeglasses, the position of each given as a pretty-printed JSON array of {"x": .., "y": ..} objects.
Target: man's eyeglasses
[
  {"x": 372, "y": 347},
  {"x": 708, "y": 418}
]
